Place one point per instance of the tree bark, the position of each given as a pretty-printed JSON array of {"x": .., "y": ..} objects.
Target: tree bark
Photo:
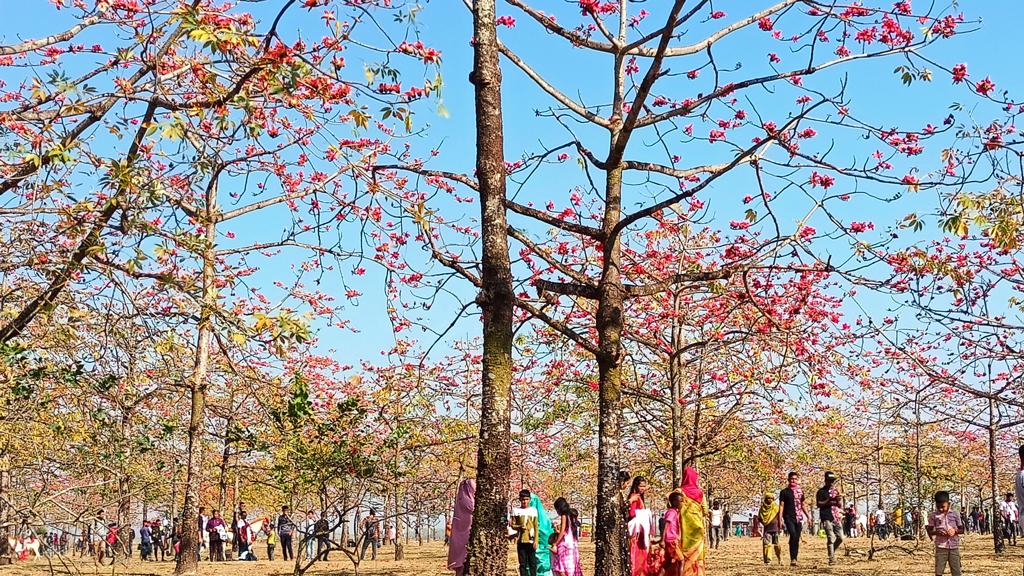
[
  {"x": 488, "y": 545},
  {"x": 187, "y": 563}
]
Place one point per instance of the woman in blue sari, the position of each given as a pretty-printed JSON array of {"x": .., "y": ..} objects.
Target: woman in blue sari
[{"x": 544, "y": 531}]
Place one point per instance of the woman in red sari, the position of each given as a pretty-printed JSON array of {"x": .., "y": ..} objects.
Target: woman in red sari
[{"x": 640, "y": 523}]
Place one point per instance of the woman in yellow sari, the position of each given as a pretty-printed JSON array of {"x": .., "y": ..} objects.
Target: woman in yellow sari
[{"x": 693, "y": 509}]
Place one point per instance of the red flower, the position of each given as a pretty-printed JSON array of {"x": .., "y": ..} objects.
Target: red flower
[
  {"x": 959, "y": 73},
  {"x": 507, "y": 21},
  {"x": 765, "y": 24},
  {"x": 718, "y": 14},
  {"x": 985, "y": 86}
]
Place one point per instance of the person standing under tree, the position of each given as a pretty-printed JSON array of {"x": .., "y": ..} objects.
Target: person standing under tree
[
  {"x": 370, "y": 527},
  {"x": 945, "y": 526},
  {"x": 794, "y": 511},
  {"x": 323, "y": 542},
  {"x": 215, "y": 528},
  {"x": 640, "y": 526},
  {"x": 716, "y": 524},
  {"x": 624, "y": 482},
  {"x": 726, "y": 522},
  {"x": 1008, "y": 509},
  {"x": 524, "y": 522},
  {"x": 830, "y": 505},
  {"x": 285, "y": 531},
  {"x": 271, "y": 541},
  {"x": 693, "y": 513}
]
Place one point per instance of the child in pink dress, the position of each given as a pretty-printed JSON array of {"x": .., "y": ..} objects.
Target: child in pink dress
[{"x": 566, "y": 560}]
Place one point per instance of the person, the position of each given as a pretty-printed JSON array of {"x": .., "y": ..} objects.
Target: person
[
  {"x": 716, "y": 524},
  {"x": 201, "y": 521},
  {"x": 830, "y": 504},
  {"x": 235, "y": 514},
  {"x": 524, "y": 523},
  {"x": 544, "y": 531},
  {"x": 625, "y": 479},
  {"x": 216, "y": 529},
  {"x": 322, "y": 529},
  {"x": 794, "y": 512},
  {"x": 640, "y": 525},
  {"x": 145, "y": 541},
  {"x": 271, "y": 540},
  {"x": 392, "y": 534},
  {"x": 692, "y": 514},
  {"x": 370, "y": 527},
  {"x": 945, "y": 526},
  {"x": 771, "y": 519},
  {"x": 672, "y": 535},
  {"x": 1018, "y": 483},
  {"x": 881, "y": 529},
  {"x": 849, "y": 519},
  {"x": 244, "y": 535},
  {"x": 285, "y": 531},
  {"x": 862, "y": 525},
  {"x": 566, "y": 544},
  {"x": 726, "y": 522},
  {"x": 972, "y": 525},
  {"x": 447, "y": 531},
  {"x": 159, "y": 546},
  {"x": 1008, "y": 509},
  {"x": 308, "y": 530},
  {"x": 462, "y": 518}
]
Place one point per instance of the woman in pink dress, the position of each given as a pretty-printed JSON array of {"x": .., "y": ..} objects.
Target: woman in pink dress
[{"x": 566, "y": 560}]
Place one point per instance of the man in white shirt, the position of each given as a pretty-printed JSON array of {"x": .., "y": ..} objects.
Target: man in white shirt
[
  {"x": 880, "y": 528},
  {"x": 1008, "y": 510}
]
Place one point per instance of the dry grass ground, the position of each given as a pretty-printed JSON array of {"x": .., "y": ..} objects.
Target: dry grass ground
[{"x": 736, "y": 557}]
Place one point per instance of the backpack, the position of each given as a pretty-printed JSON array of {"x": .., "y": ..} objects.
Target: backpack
[{"x": 112, "y": 536}]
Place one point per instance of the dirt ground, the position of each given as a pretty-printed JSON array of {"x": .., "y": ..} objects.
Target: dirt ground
[{"x": 736, "y": 557}]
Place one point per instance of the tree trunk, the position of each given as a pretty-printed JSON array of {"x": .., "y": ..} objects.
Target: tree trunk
[
  {"x": 996, "y": 517},
  {"x": 609, "y": 555},
  {"x": 225, "y": 457},
  {"x": 675, "y": 375},
  {"x": 188, "y": 558},
  {"x": 488, "y": 545}
]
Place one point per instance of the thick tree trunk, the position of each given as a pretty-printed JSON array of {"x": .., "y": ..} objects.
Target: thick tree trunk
[
  {"x": 488, "y": 545},
  {"x": 188, "y": 558},
  {"x": 997, "y": 518}
]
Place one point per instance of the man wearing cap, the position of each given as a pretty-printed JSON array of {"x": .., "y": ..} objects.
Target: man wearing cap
[{"x": 830, "y": 505}]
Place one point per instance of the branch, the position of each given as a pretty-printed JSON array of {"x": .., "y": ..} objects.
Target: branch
[
  {"x": 552, "y": 26},
  {"x": 587, "y": 291},
  {"x": 30, "y": 45},
  {"x": 551, "y": 90}
]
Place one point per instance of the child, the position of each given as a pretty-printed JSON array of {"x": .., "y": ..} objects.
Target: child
[
  {"x": 772, "y": 521},
  {"x": 271, "y": 541},
  {"x": 552, "y": 541},
  {"x": 672, "y": 536},
  {"x": 946, "y": 527}
]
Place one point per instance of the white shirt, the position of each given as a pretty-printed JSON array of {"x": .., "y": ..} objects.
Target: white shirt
[
  {"x": 880, "y": 517},
  {"x": 1008, "y": 510},
  {"x": 716, "y": 517}
]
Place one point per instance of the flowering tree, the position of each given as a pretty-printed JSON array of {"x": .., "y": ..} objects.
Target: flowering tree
[{"x": 706, "y": 126}]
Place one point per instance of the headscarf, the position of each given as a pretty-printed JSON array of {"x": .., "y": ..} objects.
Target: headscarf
[
  {"x": 544, "y": 531},
  {"x": 769, "y": 509},
  {"x": 689, "y": 485}
]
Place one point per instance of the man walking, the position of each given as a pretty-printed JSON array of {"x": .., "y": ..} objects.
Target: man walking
[
  {"x": 794, "y": 511},
  {"x": 830, "y": 505},
  {"x": 285, "y": 531}
]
